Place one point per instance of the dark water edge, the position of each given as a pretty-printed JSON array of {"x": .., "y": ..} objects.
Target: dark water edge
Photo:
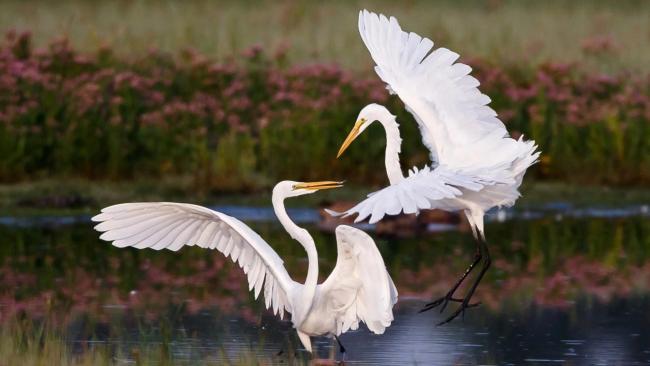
[
  {"x": 567, "y": 287},
  {"x": 557, "y": 210}
]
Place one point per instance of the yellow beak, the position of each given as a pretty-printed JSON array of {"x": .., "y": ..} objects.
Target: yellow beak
[
  {"x": 351, "y": 136},
  {"x": 316, "y": 186}
]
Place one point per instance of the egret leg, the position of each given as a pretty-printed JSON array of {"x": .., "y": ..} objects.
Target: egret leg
[
  {"x": 341, "y": 348},
  {"x": 465, "y": 302},
  {"x": 450, "y": 295}
]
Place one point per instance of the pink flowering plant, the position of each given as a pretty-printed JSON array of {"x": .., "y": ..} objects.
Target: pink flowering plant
[{"x": 243, "y": 123}]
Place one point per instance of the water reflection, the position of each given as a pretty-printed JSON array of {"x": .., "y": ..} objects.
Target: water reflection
[
  {"x": 594, "y": 333},
  {"x": 570, "y": 292}
]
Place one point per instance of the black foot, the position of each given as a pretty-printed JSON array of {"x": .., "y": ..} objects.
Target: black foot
[
  {"x": 445, "y": 301},
  {"x": 461, "y": 310}
]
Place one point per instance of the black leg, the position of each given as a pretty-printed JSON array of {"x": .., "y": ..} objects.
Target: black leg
[
  {"x": 465, "y": 303},
  {"x": 341, "y": 348},
  {"x": 450, "y": 295}
]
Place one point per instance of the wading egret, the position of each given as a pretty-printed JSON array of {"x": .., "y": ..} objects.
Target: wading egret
[
  {"x": 475, "y": 164},
  {"x": 358, "y": 289}
]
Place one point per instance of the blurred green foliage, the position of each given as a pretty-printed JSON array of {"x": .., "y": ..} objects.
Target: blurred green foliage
[{"x": 604, "y": 35}]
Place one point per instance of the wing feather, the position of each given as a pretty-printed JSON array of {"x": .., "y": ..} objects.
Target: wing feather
[
  {"x": 168, "y": 225},
  {"x": 452, "y": 113},
  {"x": 424, "y": 189},
  {"x": 159, "y": 234},
  {"x": 183, "y": 236},
  {"x": 236, "y": 251},
  {"x": 207, "y": 234},
  {"x": 228, "y": 247},
  {"x": 128, "y": 227},
  {"x": 144, "y": 234},
  {"x": 194, "y": 239},
  {"x": 173, "y": 233},
  {"x": 359, "y": 287}
]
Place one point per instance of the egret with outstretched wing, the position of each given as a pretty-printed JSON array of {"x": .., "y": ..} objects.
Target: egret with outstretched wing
[
  {"x": 359, "y": 289},
  {"x": 475, "y": 164}
]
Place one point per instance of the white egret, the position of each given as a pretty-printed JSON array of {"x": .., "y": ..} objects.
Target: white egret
[
  {"x": 475, "y": 165},
  {"x": 358, "y": 289}
]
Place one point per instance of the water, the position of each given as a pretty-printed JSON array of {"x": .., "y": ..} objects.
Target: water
[{"x": 567, "y": 287}]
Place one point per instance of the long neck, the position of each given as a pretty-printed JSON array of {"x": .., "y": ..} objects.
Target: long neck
[
  {"x": 302, "y": 236},
  {"x": 393, "y": 148}
]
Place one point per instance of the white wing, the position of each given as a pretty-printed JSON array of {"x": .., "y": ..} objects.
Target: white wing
[
  {"x": 169, "y": 225},
  {"x": 457, "y": 125},
  {"x": 359, "y": 288},
  {"x": 424, "y": 189}
]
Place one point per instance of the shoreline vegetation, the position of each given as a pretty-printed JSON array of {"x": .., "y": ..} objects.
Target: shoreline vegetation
[{"x": 239, "y": 126}]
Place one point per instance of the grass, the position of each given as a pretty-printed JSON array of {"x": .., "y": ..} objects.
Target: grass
[
  {"x": 76, "y": 196},
  {"x": 507, "y": 31},
  {"x": 28, "y": 344},
  {"x": 24, "y": 345}
]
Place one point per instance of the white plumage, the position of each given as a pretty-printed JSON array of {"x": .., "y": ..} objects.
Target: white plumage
[
  {"x": 170, "y": 225},
  {"x": 475, "y": 164},
  {"x": 358, "y": 289},
  {"x": 452, "y": 113},
  {"x": 421, "y": 190}
]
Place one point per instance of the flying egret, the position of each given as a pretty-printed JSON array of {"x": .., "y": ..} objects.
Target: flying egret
[
  {"x": 358, "y": 289},
  {"x": 475, "y": 164}
]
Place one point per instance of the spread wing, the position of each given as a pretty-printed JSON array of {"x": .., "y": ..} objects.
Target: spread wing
[
  {"x": 169, "y": 225},
  {"x": 359, "y": 288},
  {"x": 457, "y": 125},
  {"x": 424, "y": 189}
]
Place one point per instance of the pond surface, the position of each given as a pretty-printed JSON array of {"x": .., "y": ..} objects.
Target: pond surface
[{"x": 567, "y": 287}]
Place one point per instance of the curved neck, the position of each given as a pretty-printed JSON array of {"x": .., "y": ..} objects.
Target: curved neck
[
  {"x": 302, "y": 236},
  {"x": 393, "y": 148}
]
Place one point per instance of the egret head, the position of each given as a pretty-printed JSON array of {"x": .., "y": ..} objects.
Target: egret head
[
  {"x": 288, "y": 188},
  {"x": 369, "y": 114}
]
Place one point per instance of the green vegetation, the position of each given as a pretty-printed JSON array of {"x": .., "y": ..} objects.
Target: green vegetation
[
  {"x": 24, "y": 343},
  {"x": 603, "y": 35},
  {"x": 242, "y": 126}
]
